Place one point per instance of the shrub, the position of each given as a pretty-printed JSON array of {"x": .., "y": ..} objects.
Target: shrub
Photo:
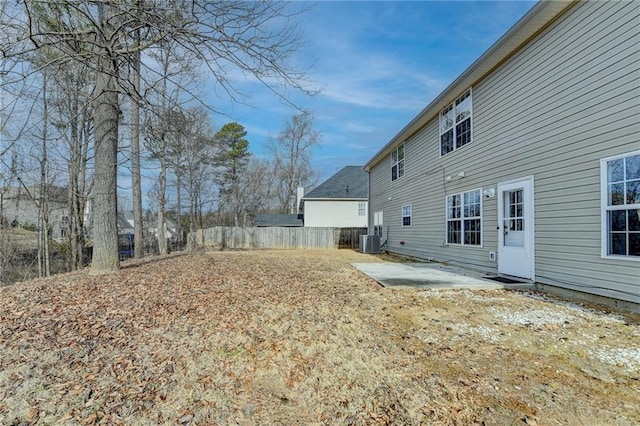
[{"x": 30, "y": 227}]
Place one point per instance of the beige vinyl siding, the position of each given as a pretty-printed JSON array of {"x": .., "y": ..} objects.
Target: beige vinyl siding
[{"x": 552, "y": 111}]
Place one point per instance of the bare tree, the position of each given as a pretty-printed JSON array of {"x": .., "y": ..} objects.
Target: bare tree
[
  {"x": 136, "y": 181},
  {"x": 44, "y": 256},
  {"x": 257, "y": 189},
  {"x": 70, "y": 97},
  {"x": 106, "y": 108},
  {"x": 8, "y": 247},
  {"x": 198, "y": 152},
  {"x": 291, "y": 152},
  {"x": 176, "y": 156},
  {"x": 164, "y": 126},
  {"x": 254, "y": 37}
]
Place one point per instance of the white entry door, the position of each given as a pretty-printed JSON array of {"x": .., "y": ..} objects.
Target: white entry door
[{"x": 515, "y": 228}]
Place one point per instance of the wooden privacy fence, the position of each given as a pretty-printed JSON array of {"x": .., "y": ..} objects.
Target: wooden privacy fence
[
  {"x": 349, "y": 238},
  {"x": 275, "y": 237}
]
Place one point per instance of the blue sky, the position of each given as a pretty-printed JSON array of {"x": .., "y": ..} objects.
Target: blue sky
[{"x": 378, "y": 64}]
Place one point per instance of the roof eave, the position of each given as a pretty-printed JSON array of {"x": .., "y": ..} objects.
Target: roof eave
[
  {"x": 334, "y": 199},
  {"x": 531, "y": 24}
]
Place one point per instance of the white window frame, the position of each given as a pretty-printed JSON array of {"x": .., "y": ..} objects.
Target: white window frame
[
  {"x": 452, "y": 105},
  {"x": 397, "y": 162},
  {"x": 605, "y": 208},
  {"x": 462, "y": 219},
  {"x": 378, "y": 222},
  {"x": 362, "y": 208},
  {"x": 410, "y": 215}
]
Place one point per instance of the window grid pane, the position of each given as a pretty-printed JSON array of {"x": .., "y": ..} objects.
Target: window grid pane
[
  {"x": 634, "y": 244},
  {"x": 456, "y": 124},
  {"x": 623, "y": 206},
  {"x": 615, "y": 171},
  {"x": 463, "y": 133},
  {"x": 406, "y": 215},
  {"x": 453, "y": 232},
  {"x": 397, "y": 162},
  {"x": 446, "y": 119},
  {"x": 453, "y": 206},
  {"x": 632, "y": 167},
  {"x": 464, "y": 222},
  {"x": 463, "y": 107},
  {"x": 472, "y": 232},
  {"x": 446, "y": 142},
  {"x": 633, "y": 192}
]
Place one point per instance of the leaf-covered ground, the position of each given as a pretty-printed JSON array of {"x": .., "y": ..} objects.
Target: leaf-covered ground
[{"x": 301, "y": 337}]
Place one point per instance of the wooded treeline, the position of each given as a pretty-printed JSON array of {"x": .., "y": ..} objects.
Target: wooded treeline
[{"x": 103, "y": 100}]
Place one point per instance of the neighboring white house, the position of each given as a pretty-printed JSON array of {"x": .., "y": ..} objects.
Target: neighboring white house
[
  {"x": 20, "y": 206},
  {"x": 339, "y": 202},
  {"x": 528, "y": 164}
]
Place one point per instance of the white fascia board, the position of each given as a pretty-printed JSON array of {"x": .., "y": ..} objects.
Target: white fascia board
[{"x": 334, "y": 199}]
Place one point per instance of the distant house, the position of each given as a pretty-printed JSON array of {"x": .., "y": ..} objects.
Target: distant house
[
  {"x": 339, "y": 202},
  {"x": 126, "y": 225},
  {"x": 279, "y": 220},
  {"x": 528, "y": 164},
  {"x": 125, "y": 222},
  {"x": 20, "y": 206}
]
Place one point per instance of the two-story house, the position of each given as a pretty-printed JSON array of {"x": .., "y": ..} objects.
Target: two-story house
[{"x": 528, "y": 164}]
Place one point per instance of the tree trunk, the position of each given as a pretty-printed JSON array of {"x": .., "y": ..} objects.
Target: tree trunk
[
  {"x": 138, "y": 236},
  {"x": 106, "y": 114},
  {"x": 73, "y": 191},
  {"x": 178, "y": 211},
  {"x": 162, "y": 239},
  {"x": 43, "y": 244},
  {"x": 85, "y": 187},
  {"x": 192, "y": 205}
]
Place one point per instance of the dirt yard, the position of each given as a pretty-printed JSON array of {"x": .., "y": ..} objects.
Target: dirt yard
[{"x": 301, "y": 337}]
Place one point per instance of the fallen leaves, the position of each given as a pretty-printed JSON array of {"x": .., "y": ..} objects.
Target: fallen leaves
[{"x": 297, "y": 337}]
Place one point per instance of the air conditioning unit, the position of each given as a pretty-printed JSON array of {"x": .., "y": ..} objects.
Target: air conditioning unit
[{"x": 370, "y": 243}]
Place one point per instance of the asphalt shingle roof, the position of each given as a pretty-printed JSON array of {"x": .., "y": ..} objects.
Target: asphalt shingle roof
[
  {"x": 350, "y": 182},
  {"x": 279, "y": 220}
]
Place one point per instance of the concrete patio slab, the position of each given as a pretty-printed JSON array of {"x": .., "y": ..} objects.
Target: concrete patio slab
[{"x": 431, "y": 275}]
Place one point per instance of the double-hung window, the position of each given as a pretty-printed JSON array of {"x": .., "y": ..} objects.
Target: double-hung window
[
  {"x": 455, "y": 124},
  {"x": 621, "y": 205},
  {"x": 464, "y": 218},
  {"x": 406, "y": 215},
  {"x": 362, "y": 208},
  {"x": 397, "y": 162}
]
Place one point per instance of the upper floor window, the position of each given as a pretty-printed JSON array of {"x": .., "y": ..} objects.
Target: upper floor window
[
  {"x": 621, "y": 205},
  {"x": 455, "y": 124},
  {"x": 464, "y": 218},
  {"x": 362, "y": 208},
  {"x": 406, "y": 215},
  {"x": 397, "y": 162}
]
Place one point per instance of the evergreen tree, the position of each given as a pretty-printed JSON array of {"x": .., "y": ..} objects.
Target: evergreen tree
[{"x": 232, "y": 160}]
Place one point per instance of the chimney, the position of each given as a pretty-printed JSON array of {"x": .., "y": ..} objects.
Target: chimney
[{"x": 299, "y": 196}]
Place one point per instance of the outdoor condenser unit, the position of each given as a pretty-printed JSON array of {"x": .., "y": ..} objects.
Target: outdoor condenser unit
[{"x": 370, "y": 243}]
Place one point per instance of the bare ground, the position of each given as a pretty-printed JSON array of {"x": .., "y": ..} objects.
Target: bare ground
[{"x": 301, "y": 337}]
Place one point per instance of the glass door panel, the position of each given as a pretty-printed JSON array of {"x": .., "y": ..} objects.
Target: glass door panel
[{"x": 514, "y": 225}]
